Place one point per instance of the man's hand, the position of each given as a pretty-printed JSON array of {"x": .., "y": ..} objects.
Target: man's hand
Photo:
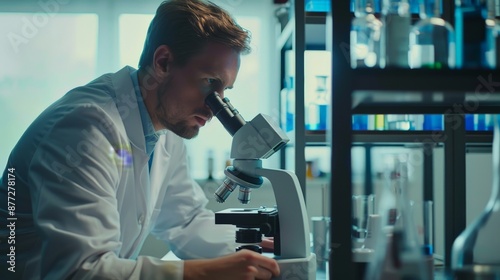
[
  {"x": 244, "y": 265},
  {"x": 267, "y": 244}
]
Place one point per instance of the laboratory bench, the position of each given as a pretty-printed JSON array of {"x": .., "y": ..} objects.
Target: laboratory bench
[{"x": 440, "y": 273}]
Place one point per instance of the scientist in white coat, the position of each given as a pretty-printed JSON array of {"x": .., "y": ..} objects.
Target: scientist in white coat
[{"x": 106, "y": 165}]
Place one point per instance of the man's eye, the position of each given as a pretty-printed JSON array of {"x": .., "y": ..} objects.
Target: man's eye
[{"x": 211, "y": 81}]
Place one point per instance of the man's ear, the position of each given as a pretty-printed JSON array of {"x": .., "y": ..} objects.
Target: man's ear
[{"x": 162, "y": 61}]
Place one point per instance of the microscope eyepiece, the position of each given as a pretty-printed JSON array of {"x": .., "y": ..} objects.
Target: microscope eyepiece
[{"x": 225, "y": 112}]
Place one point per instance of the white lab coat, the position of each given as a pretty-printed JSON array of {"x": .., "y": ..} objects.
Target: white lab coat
[{"x": 91, "y": 207}]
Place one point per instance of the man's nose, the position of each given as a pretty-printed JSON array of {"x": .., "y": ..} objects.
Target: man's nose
[{"x": 221, "y": 93}]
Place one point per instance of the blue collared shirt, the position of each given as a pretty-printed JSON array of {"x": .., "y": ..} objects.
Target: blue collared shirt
[{"x": 150, "y": 134}]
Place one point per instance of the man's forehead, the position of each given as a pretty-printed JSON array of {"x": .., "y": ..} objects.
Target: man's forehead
[
  {"x": 212, "y": 50},
  {"x": 217, "y": 61}
]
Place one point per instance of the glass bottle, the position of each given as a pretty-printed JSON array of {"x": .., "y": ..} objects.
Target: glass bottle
[
  {"x": 496, "y": 12},
  {"x": 432, "y": 39},
  {"x": 490, "y": 56},
  {"x": 399, "y": 122},
  {"x": 471, "y": 27},
  {"x": 396, "y": 24},
  {"x": 379, "y": 122},
  {"x": 474, "y": 253},
  {"x": 479, "y": 122},
  {"x": 433, "y": 122},
  {"x": 359, "y": 122},
  {"x": 366, "y": 35},
  {"x": 398, "y": 252},
  {"x": 489, "y": 122},
  {"x": 317, "y": 110}
]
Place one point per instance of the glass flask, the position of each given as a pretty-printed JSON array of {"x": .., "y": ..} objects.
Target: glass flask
[
  {"x": 398, "y": 252},
  {"x": 396, "y": 25},
  {"x": 432, "y": 39},
  {"x": 471, "y": 26},
  {"x": 366, "y": 35},
  {"x": 475, "y": 252}
]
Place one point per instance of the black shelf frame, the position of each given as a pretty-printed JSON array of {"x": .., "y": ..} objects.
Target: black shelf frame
[
  {"x": 295, "y": 36},
  {"x": 458, "y": 80},
  {"x": 340, "y": 264}
]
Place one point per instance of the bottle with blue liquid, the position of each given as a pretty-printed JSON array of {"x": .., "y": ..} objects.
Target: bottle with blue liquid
[
  {"x": 360, "y": 122},
  {"x": 433, "y": 122},
  {"x": 474, "y": 29},
  {"x": 479, "y": 122}
]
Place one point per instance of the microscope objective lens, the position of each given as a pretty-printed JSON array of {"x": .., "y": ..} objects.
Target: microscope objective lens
[
  {"x": 224, "y": 190},
  {"x": 244, "y": 195}
]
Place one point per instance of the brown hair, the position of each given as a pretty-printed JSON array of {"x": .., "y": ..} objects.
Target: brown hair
[{"x": 187, "y": 25}]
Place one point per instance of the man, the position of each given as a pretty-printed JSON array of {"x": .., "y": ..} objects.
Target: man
[{"x": 105, "y": 165}]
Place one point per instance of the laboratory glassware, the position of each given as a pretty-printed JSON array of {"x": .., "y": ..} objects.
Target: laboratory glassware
[
  {"x": 432, "y": 39},
  {"x": 396, "y": 20},
  {"x": 398, "y": 252},
  {"x": 474, "y": 253},
  {"x": 471, "y": 26},
  {"x": 366, "y": 36}
]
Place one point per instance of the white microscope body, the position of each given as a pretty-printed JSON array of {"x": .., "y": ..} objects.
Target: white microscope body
[{"x": 252, "y": 141}]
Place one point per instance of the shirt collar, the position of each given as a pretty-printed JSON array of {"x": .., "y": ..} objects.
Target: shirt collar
[{"x": 150, "y": 134}]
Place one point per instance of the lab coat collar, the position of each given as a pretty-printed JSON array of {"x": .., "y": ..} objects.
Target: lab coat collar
[{"x": 126, "y": 102}]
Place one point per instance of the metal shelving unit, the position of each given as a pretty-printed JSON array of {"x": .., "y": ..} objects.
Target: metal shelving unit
[
  {"x": 387, "y": 91},
  {"x": 392, "y": 91},
  {"x": 305, "y": 30}
]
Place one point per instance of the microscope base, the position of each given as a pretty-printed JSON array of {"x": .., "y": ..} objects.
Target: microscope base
[{"x": 299, "y": 268}]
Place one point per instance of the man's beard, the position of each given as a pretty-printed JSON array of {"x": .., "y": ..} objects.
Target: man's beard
[{"x": 181, "y": 128}]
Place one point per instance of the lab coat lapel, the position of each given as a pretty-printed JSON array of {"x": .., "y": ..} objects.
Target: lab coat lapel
[
  {"x": 159, "y": 166},
  {"x": 126, "y": 102}
]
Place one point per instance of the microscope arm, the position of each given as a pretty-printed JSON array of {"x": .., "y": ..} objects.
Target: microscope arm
[{"x": 293, "y": 219}]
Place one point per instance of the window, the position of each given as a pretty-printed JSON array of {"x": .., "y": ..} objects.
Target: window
[
  {"x": 43, "y": 57},
  {"x": 133, "y": 29}
]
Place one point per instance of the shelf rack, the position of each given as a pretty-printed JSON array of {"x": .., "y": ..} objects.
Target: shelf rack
[
  {"x": 452, "y": 93},
  {"x": 304, "y": 30},
  {"x": 392, "y": 91}
]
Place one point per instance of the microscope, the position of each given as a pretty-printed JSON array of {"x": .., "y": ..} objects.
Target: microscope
[{"x": 287, "y": 222}]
